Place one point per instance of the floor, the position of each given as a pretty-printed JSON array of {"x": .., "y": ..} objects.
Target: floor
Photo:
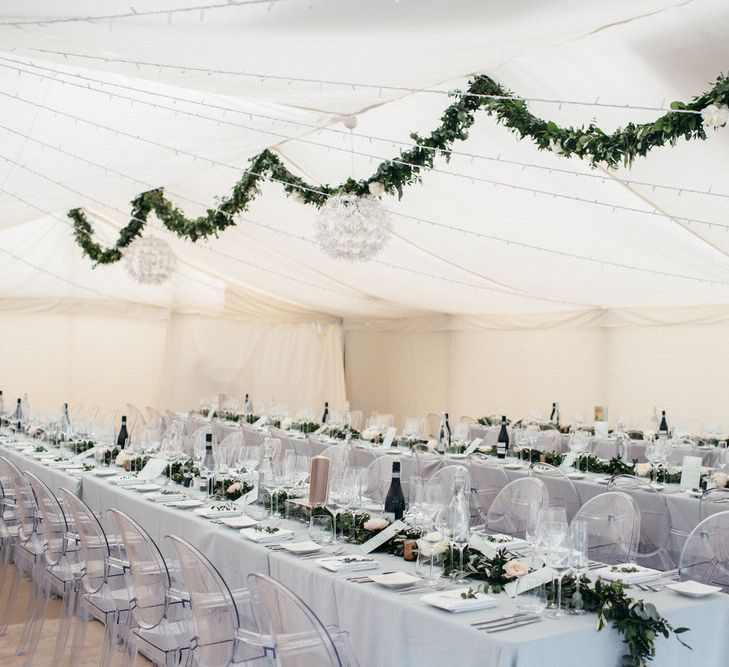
[{"x": 44, "y": 653}]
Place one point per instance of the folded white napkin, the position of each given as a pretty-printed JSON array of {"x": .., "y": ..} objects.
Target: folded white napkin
[
  {"x": 348, "y": 563},
  {"x": 619, "y": 573},
  {"x": 452, "y": 601},
  {"x": 263, "y": 537}
]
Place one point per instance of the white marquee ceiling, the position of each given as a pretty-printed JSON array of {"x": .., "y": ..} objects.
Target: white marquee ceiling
[{"x": 555, "y": 235}]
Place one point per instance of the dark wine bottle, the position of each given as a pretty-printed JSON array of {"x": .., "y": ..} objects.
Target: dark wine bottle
[
  {"x": 502, "y": 443},
  {"x": 207, "y": 474},
  {"x": 395, "y": 500},
  {"x": 122, "y": 440},
  {"x": 663, "y": 428},
  {"x": 18, "y": 411},
  {"x": 325, "y": 416},
  {"x": 447, "y": 427}
]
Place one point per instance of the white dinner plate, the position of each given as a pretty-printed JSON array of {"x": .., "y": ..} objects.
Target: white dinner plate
[
  {"x": 105, "y": 472},
  {"x": 144, "y": 488},
  {"x": 395, "y": 579},
  {"x": 575, "y": 475},
  {"x": 186, "y": 504},
  {"x": 263, "y": 537},
  {"x": 453, "y": 602},
  {"x": 307, "y": 547},
  {"x": 693, "y": 589},
  {"x": 238, "y": 522},
  {"x": 455, "y": 456},
  {"x": 513, "y": 466}
]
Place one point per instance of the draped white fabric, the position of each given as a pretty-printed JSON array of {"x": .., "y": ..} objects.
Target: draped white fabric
[{"x": 94, "y": 112}]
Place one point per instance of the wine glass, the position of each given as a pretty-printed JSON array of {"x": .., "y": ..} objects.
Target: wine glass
[
  {"x": 533, "y": 522},
  {"x": 458, "y": 518},
  {"x": 578, "y": 561},
  {"x": 558, "y": 558},
  {"x": 335, "y": 498}
]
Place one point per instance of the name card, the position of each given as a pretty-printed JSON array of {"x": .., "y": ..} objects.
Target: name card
[
  {"x": 475, "y": 444},
  {"x": 691, "y": 472},
  {"x": 382, "y": 537},
  {"x": 479, "y": 543},
  {"x": 528, "y": 581},
  {"x": 389, "y": 436},
  {"x": 153, "y": 469},
  {"x": 83, "y": 455},
  {"x": 568, "y": 460},
  {"x": 320, "y": 430},
  {"x": 247, "y": 498},
  {"x": 260, "y": 423}
]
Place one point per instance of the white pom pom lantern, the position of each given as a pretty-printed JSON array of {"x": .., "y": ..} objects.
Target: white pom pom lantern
[{"x": 150, "y": 261}]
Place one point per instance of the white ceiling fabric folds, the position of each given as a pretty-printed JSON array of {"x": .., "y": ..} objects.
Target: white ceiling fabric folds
[{"x": 94, "y": 112}]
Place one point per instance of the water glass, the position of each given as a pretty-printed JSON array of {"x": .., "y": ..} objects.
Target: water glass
[
  {"x": 431, "y": 559},
  {"x": 320, "y": 529},
  {"x": 532, "y": 600},
  {"x": 578, "y": 560}
]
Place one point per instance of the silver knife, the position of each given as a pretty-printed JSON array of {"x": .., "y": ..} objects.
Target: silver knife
[
  {"x": 509, "y": 626},
  {"x": 503, "y": 619}
]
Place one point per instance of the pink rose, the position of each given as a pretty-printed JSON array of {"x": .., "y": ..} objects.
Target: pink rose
[
  {"x": 515, "y": 569},
  {"x": 720, "y": 479},
  {"x": 235, "y": 488},
  {"x": 376, "y": 524}
]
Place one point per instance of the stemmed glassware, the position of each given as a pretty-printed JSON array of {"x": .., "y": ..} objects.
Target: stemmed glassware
[
  {"x": 558, "y": 558},
  {"x": 336, "y": 498},
  {"x": 578, "y": 561}
]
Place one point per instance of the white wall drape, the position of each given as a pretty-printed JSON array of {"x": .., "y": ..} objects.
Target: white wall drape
[{"x": 479, "y": 370}]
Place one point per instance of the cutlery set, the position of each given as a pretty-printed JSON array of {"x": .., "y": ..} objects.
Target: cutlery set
[{"x": 506, "y": 622}]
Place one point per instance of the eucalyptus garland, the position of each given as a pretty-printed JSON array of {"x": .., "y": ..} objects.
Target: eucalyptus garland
[
  {"x": 391, "y": 176},
  {"x": 637, "y": 621}
]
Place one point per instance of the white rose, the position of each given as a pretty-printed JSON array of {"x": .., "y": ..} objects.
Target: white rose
[
  {"x": 643, "y": 469},
  {"x": 376, "y": 188},
  {"x": 298, "y": 197},
  {"x": 715, "y": 115}
]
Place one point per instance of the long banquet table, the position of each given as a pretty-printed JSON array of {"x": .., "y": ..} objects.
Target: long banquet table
[{"x": 391, "y": 629}]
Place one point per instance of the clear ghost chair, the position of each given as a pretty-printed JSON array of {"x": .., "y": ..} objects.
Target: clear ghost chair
[
  {"x": 613, "y": 527},
  {"x": 159, "y": 628},
  {"x": 59, "y": 576},
  {"x": 8, "y": 527},
  {"x": 360, "y": 454},
  {"x": 705, "y": 556},
  {"x": 679, "y": 449},
  {"x": 315, "y": 446},
  {"x": 198, "y": 441},
  {"x": 225, "y": 632},
  {"x": 251, "y": 435},
  {"x": 655, "y": 521},
  {"x": 548, "y": 441},
  {"x": 414, "y": 427},
  {"x": 152, "y": 413},
  {"x": 509, "y": 511},
  {"x": 300, "y": 639},
  {"x": 603, "y": 448},
  {"x": 446, "y": 477},
  {"x": 561, "y": 489},
  {"x": 379, "y": 476},
  {"x": 427, "y": 462},
  {"x": 103, "y": 593},
  {"x": 229, "y": 448},
  {"x": 487, "y": 480},
  {"x": 28, "y": 546},
  {"x": 713, "y": 501}
]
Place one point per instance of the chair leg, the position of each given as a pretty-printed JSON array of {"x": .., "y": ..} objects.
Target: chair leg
[
  {"x": 130, "y": 651},
  {"x": 81, "y": 620},
  {"x": 109, "y": 638},
  {"x": 40, "y": 612},
  {"x": 68, "y": 609},
  {"x": 36, "y": 606},
  {"x": 9, "y": 602}
]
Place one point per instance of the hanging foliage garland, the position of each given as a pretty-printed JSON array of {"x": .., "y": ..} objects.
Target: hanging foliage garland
[{"x": 687, "y": 120}]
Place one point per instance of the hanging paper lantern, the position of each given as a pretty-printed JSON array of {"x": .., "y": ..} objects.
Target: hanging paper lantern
[
  {"x": 150, "y": 261},
  {"x": 352, "y": 228}
]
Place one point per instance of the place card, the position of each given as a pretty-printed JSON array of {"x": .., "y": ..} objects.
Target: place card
[
  {"x": 480, "y": 544},
  {"x": 153, "y": 469},
  {"x": 537, "y": 578},
  {"x": 568, "y": 460},
  {"x": 83, "y": 455},
  {"x": 260, "y": 423},
  {"x": 475, "y": 444},
  {"x": 691, "y": 472},
  {"x": 382, "y": 537},
  {"x": 389, "y": 437},
  {"x": 247, "y": 498}
]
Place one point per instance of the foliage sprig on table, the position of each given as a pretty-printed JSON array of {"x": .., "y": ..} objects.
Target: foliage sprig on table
[{"x": 407, "y": 168}]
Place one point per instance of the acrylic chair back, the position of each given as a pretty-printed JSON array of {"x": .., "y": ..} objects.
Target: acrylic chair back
[
  {"x": 713, "y": 501},
  {"x": 24, "y": 499},
  {"x": 509, "y": 512},
  {"x": 150, "y": 578},
  {"x": 55, "y": 529},
  {"x": 655, "y": 520},
  {"x": 214, "y": 612},
  {"x": 561, "y": 489},
  {"x": 299, "y": 637},
  {"x": 613, "y": 527},
  {"x": 705, "y": 556},
  {"x": 94, "y": 545}
]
